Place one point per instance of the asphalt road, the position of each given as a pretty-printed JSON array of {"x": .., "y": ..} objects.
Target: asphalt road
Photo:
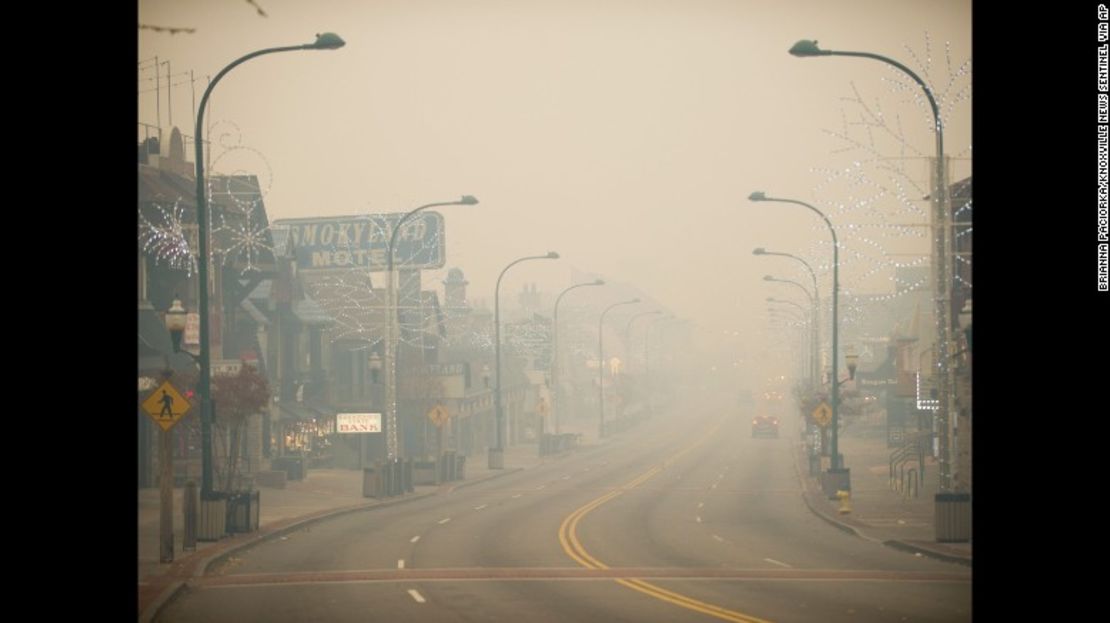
[{"x": 684, "y": 518}]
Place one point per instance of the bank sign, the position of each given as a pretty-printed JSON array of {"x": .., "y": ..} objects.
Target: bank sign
[{"x": 345, "y": 242}]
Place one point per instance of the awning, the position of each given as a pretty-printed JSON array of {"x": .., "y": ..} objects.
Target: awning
[{"x": 301, "y": 411}]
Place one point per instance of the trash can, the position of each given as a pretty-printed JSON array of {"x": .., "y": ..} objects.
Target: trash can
[
  {"x": 242, "y": 511},
  {"x": 425, "y": 473},
  {"x": 372, "y": 481},
  {"x": 213, "y": 517},
  {"x": 953, "y": 517},
  {"x": 293, "y": 466}
]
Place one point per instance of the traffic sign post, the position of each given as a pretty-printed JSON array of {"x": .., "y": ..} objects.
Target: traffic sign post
[
  {"x": 822, "y": 414},
  {"x": 439, "y": 416},
  {"x": 166, "y": 406}
]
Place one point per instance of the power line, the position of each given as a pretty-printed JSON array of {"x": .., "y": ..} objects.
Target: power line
[{"x": 171, "y": 30}]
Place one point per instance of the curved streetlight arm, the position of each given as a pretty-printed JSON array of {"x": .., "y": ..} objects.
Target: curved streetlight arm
[
  {"x": 794, "y": 283},
  {"x": 792, "y": 303},
  {"x": 942, "y": 239},
  {"x": 555, "y": 348},
  {"x": 393, "y": 311},
  {"x": 601, "y": 365},
  {"x": 466, "y": 201},
  {"x": 805, "y": 48},
  {"x": 815, "y": 372},
  {"x": 761, "y": 196},
  {"x": 812, "y": 275},
  {"x": 326, "y": 41},
  {"x": 551, "y": 255},
  {"x": 628, "y": 327}
]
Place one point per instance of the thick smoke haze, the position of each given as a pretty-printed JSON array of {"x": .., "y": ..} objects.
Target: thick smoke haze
[{"x": 626, "y": 135}]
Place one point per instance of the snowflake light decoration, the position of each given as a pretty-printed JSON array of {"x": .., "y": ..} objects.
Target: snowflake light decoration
[{"x": 163, "y": 237}]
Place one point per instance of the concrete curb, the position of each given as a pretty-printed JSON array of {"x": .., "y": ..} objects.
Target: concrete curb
[
  {"x": 295, "y": 524},
  {"x": 850, "y": 529},
  {"x": 924, "y": 551},
  {"x": 176, "y": 588},
  {"x": 164, "y": 599}
]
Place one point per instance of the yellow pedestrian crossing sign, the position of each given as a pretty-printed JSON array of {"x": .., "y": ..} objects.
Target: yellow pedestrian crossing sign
[
  {"x": 439, "y": 415},
  {"x": 823, "y": 414},
  {"x": 165, "y": 405}
]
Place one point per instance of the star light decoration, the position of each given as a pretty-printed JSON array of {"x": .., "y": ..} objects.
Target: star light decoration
[
  {"x": 884, "y": 195},
  {"x": 163, "y": 238},
  {"x": 241, "y": 235}
]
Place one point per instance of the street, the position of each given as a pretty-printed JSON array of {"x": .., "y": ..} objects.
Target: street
[{"x": 685, "y": 517}]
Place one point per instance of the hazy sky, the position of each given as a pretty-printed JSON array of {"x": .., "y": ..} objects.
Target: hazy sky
[{"x": 626, "y": 135}]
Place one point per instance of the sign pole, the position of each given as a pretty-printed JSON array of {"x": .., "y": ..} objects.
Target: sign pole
[
  {"x": 166, "y": 406},
  {"x": 165, "y": 529}
]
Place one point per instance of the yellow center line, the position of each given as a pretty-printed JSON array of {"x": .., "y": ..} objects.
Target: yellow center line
[{"x": 568, "y": 538}]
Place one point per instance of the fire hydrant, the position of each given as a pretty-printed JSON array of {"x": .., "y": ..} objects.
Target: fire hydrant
[{"x": 845, "y": 501}]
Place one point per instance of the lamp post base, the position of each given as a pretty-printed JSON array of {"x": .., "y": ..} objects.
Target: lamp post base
[
  {"x": 496, "y": 458},
  {"x": 835, "y": 480}
]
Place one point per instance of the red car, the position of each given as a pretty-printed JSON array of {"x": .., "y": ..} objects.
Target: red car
[{"x": 765, "y": 426}]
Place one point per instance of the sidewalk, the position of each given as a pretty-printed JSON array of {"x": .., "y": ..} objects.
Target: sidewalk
[
  {"x": 878, "y": 513},
  {"x": 323, "y": 493}
]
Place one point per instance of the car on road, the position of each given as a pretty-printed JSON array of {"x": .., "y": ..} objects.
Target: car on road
[{"x": 765, "y": 426}]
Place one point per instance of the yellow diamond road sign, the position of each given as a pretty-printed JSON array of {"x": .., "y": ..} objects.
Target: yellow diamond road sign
[
  {"x": 823, "y": 414},
  {"x": 439, "y": 415},
  {"x": 165, "y": 405}
]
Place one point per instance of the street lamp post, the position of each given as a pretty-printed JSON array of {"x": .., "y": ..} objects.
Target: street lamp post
[
  {"x": 628, "y": 330},
  {"x": 816, "y": 371},
  {"x": 942, "y": 252},
  {"x": 802, "y": 320},
  {"x": 813, "y": 324},
  {"x": 555, "y": 348},
  {"x": 392, "y": 310},
  {"x": 647, "y": 365},
  {"x": 497, "y": 455},
  {"x": 601, "y": 366},
  {"x": 374, "y": 362},
  {"x": 326, "y": 41},
  {"x": 835, "y": 391}
]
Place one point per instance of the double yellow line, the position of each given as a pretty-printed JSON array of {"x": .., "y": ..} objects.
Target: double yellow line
[{"x": 568, "y": 538}]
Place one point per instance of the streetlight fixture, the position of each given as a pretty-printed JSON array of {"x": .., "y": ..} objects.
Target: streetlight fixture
[
  {"x": 176, "y": 317},
  {"x": 942, "y": 250},
  {"x": 851, "y": 359},
  {"x": 392, "y": 309},
  {"x": 601, "y": 366},
  {"x": 497, "y": 455},
  {"x": 326, "y": 41},
  {"x": 836, "y": 467},
  {"x": 555, "y": 348}
]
